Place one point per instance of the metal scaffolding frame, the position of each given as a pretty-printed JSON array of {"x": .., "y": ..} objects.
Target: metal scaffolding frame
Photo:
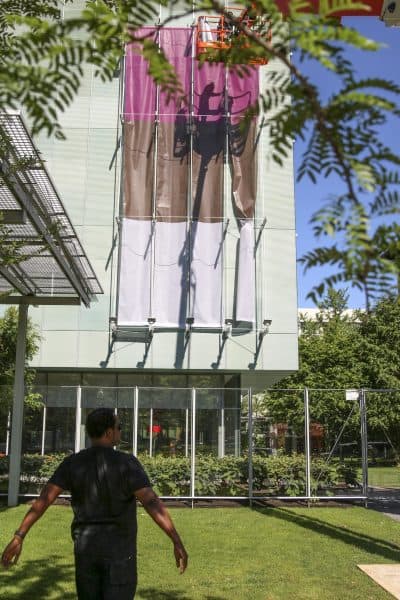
[
  {"x": 145, "y": 332},
  {"x": 49, "y": 261},
  {"x": 190, "y": 402},
  {"x": 42, "y": 261}
]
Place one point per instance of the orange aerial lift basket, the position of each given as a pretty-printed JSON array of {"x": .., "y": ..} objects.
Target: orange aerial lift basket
[{"x": 217, "y": 32}]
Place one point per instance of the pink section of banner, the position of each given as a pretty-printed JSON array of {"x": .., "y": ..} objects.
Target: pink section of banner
[
  {"x": 140, "y": 91},
  {"x": 177, "y": 47},
  {"x": 242, "y": 92},
  {"x": 209, "y": 92},
  {"x": 210, "y": 101}
]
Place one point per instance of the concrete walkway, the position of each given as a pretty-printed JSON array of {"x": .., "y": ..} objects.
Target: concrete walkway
[
  {"x": 387, "y": 502},
  {"x": 387, "y": 576}
]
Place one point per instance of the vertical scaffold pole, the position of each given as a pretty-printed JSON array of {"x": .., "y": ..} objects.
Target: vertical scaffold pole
[
  {"x": 364, "y": 445},
  {"x": 250, "y": 458},
  {"x": 8, "y": 433},
  {"x": 115, "y": 415},
  {"x": 221, "y": 429},
  {"x": 151, "y": 434},
  {"x": 78, "y": 418},
  {"x": 186, "y": 432},
  {"x": 238, "y": 412},
  {"x": 154, "y": 195},
  {"x": 226, "y": 198},
  {"x": 43, "y": 429},
  {"x": 193, "y": 449},
  {"x": 18, "y": 408},
  {"x": 307, "y": 442},
  {"x": 135, "y": 419},
  {"x": 189, "y": 202}
]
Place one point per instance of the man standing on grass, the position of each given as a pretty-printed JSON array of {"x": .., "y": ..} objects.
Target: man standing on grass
[{"x": 104, "y": 485}]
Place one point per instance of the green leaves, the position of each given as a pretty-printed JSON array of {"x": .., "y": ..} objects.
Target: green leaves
[
  {"x": 44, "y": 56},
  {"x": 365, "y": 251},
  {"x": 162, "y": 71},
  {"x": 331, "y": 7},
  {"x": 8, "y": 339},
  {"x": 341, "y": 350},
  {"x": 280, "y": 474}
]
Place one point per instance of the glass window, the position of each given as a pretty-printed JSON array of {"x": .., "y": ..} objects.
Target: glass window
[
  {"x": 206, "y": 381},
  {"x": 100, "y": 379},
  {"x": 171, "y": 380},
  {"x": 65, "y": 378},
  {"x": 40, "y": 378},
  {"x": 232, "y": 381},
  {"x": 132, "y": 379}
]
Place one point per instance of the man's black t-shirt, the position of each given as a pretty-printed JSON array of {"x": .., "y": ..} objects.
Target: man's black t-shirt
[{"x": 102, "y": 482}]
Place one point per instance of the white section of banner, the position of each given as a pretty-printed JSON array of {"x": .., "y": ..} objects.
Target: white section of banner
[
  {"x": 170, "y": 293},
  {"x": 135, "y": 272},
  {"x": 246, "y": 280},
  {"x": 171, "y": 274},
  {"x": 206, "y": 274}
]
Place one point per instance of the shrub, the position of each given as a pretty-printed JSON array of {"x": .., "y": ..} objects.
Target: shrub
[{"x": 280, "y": 475}]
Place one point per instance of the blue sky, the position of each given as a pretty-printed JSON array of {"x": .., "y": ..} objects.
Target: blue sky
[{"x": 309, "y": 197}]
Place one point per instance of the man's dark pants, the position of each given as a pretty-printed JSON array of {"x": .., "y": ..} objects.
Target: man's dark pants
[{"x": 99, "y": 578}]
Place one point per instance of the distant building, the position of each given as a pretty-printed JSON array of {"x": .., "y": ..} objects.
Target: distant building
[{"x": 311, "y": 314}]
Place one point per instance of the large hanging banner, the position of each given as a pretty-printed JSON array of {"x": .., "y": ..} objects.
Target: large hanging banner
[
  {"x": 206, "y": 274},
  {"x": 169, "y": 307},
  {"x": 243, "y": 93},
  {"x": 171, "y": 263},
  {"x": 137, "y": 238}
]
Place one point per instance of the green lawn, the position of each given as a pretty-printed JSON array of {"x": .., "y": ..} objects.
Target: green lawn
[
  {"x": 235, "y": 553},
  {"x": 384, "y": 476}
]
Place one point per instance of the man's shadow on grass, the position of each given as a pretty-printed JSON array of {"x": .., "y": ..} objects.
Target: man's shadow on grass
[
  {"x": 46, "y": 578},
  {"x": 38, "y": 579},
  {"x": 364, "y": 542},
  {"x": 156, "y": 594}
]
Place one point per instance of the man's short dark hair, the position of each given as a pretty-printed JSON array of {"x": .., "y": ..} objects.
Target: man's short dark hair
[{"x": 98, "y": 421}]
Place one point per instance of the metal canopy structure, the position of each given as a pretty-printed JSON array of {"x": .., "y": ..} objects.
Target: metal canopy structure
[
  {"x": 41, "y": 258},
  {"x": 48, "y": 263}
]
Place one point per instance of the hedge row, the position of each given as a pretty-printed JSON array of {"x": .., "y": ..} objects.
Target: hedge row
[{"x": 282, "y": 475}]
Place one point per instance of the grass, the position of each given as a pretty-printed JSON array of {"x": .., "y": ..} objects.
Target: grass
[
  {"x": 384, "y": 477},
  {"x": 235, "y": 553}
]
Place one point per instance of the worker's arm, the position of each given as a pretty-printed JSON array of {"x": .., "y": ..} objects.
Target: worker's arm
[
  {"x": 48, "y": 494},
  {"x": 156, "y": 509}
]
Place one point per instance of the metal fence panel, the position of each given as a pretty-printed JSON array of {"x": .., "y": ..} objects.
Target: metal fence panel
[
  {"x": 383, "y": 424},
  {"x": 221, "y": 457},
  {"x": 226, "y": 443},
  {"x": 278, "y": 444},
  {"x": 335, "y": 443}
]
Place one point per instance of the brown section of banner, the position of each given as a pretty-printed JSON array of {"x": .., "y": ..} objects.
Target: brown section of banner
[
  {"x": 138, "y": 169},
  {"x": 172, "y": 171},
  {"x": 244, "y": 169},
  {"x": 208, "y": 162}
]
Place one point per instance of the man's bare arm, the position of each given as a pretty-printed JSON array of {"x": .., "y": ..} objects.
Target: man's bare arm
[
  {"x": 47, "y": 496},
  {"x": 156, "y": 509}
]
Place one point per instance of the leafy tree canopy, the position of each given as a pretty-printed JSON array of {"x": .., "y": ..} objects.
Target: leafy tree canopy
[
  {"x": 380, "y": 331},
  {"x": 342, "y": 350},
  {"x": 349, "y": 349},
  {"x": 8, "y": 342},
  {"x": 44, "y": 57}
]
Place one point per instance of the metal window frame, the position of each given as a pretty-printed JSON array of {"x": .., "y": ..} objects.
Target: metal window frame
[{"x": 26, "y": 187}]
